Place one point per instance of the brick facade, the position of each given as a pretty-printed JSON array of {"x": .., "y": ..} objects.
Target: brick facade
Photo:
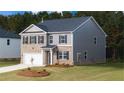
[{"x": 65, "y": 61}]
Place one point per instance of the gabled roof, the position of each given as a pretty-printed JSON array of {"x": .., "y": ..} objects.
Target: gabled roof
[
  {"x": 62, "y": 25},
  {"x": 6, "y": 34}
]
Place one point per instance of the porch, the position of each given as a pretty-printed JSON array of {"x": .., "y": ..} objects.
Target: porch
[{"x": 48, "y": 52}]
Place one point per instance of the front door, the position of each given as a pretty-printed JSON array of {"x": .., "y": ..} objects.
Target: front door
[{"x": 48, "y": 58}]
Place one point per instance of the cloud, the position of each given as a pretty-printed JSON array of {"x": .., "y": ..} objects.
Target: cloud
[
  {"x": 56, "y": 11},
  {"x": 35, "y": 12}
]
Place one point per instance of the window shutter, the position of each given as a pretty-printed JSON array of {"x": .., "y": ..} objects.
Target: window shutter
[
  {"x": 42, "y": 39},
  {"x": 26, "y": 39},
  {"x": 67, "y": 54},
  {"x": 65, "y": 38},
  {"x": 59, "y": 39}
]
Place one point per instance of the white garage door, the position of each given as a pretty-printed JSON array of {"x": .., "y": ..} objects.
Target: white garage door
[{"x": 33, "y": 58}]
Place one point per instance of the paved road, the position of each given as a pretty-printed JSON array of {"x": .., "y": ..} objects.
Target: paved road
[{"x": 14, "y": 67}]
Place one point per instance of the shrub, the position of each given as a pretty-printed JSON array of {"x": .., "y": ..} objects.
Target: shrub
[
  {"x": 29, "y": 68},
  {"x": 44, "y": 70},
  {"x": 56, "y": 63}
]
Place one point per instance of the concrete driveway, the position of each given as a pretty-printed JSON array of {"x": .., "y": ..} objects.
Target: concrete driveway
[{"x": 14, "y": 67}]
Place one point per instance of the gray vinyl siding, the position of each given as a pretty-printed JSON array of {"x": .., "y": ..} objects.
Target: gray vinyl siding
[
  {"x": 56, "y": 39},
  {"x": 83, "y": 40},
  {"x": 9, "y": 51}
]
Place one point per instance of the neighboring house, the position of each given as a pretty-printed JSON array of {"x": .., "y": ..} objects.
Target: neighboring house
[
  {"x": 9, "y": 44},
  {"x": 70, "y": 41}
]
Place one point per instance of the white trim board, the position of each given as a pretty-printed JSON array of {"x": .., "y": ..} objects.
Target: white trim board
[
  {"x": 81, "y": 24},
  {"x": 64, "y": 45},
  {"x": 30, "y": 26},
  {"x": 99, "y": 26}
]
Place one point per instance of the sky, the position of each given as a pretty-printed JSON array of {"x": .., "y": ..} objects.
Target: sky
[{"x": 6, "y": 13}]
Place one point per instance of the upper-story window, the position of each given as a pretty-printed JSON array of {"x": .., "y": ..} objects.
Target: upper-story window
[
  {"x": 63, "y": 39},
  {"x": 25, "y": 39},
  {"x": 50, "y": 39},
  {"x": 95, "y": 40},
  {"x": 40, "y": 39},
  {"x": 8, "y": 42},
  {"x": 32, "y": 39}
]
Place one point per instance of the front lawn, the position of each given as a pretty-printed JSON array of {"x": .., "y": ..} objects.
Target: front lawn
[
  {"x": 108, "y": 71},
  {"x": 4, "y": 63}
]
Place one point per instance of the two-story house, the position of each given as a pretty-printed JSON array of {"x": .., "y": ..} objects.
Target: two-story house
[
  {"x": 9, "y": 44},
  {"x": 70, "y": 41}
]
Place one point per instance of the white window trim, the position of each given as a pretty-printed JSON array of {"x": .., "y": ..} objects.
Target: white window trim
[
  {"x": 37, "y": 39},
  {"x": 78, "y": 54},
  {"x": 60, "y": 52},
  {"x": 63, "y": 39},
  {"x": 24, "y": 38},
  {"x": 50, "y": 39},
  {"x": 63, "y": 54}
]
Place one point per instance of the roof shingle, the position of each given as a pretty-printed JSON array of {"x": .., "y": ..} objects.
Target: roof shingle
[
  {"x": 58, "y": 25},
  {"x": 6, "y": 34}
]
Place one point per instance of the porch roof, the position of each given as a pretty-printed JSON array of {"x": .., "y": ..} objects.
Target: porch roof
[{"x": 49, "y": 47}]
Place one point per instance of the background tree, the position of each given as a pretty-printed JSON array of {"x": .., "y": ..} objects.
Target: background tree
[
  {"x": 41, "y": 15},
  {"x": 55, "y": 15},
  {"x": 4, "y": 22},
  {"x": 67, "y": 14},
  {"x": 113, "y": 24}
]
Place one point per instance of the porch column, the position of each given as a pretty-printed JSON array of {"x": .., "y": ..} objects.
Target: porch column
[{"x": 51, "y": 56}]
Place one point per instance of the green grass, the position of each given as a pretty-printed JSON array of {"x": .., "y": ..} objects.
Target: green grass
[
  {"x": 4, "y": 63},
  {"x": 108, "y": 71}
]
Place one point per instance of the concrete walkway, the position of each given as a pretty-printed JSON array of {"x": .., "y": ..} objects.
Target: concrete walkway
[{"x": 14, "y": 67}]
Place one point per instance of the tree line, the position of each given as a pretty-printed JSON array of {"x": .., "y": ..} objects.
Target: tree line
[{"x": 112, "y": 23}]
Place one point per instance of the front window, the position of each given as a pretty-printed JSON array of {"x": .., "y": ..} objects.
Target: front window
[
  {"x": 40, "y": 39},
  {"x": 85, "y": 55},
  {"x": 95, "y": 40},
  {"x": 63, "y": 55},
  {"x": 60, "y": 55},
  {"x": 25, "y": 39},
  {"x": 50, "y": 39},
  {"x": 33, "y": 39},
  {"x": 8, "y": 42},
  {"x": 63, "y": 39}
]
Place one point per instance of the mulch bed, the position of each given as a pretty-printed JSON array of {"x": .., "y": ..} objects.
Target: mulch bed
[
  {"x": 60, "y": 65},
  {"x": 33, "y": 73}
]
